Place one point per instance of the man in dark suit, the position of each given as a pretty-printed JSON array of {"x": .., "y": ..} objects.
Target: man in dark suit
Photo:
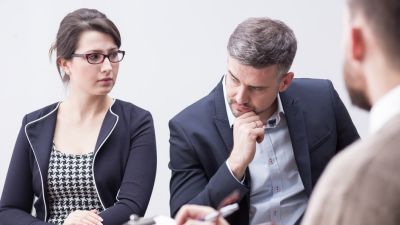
[{"x": 259, "y": 132}]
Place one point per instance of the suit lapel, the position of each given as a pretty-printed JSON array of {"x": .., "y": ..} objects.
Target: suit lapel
[
  {"x": 221, "y": 119},
  {"x": 298, "y": 136},
  {"x": 226, "y": 133}
]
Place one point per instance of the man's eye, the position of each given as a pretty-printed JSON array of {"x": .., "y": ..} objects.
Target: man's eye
[
  {"x": 234, "y": 79},
  {"x": 257, "y": 88}
]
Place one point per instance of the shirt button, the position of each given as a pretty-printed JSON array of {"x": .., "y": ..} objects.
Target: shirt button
[
  {"x": 272, "y": 122},
  {"x": 270, "y": 161}
]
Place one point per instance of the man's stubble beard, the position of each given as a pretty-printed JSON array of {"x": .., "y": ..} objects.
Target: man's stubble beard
[{"x": 358, "y": 97}]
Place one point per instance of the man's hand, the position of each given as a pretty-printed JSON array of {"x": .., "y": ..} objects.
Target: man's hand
[
  {"x": 192, "y": 215},
  {"x": 247, "y": 130}
]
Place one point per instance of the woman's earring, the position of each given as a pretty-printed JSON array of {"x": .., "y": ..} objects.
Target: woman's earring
[{"x": 63, "y": 74}]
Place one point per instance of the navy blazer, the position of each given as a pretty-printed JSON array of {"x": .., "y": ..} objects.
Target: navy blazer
[
  {"x": 124, "y": 165},
  {"x": 201, "y": 140}
]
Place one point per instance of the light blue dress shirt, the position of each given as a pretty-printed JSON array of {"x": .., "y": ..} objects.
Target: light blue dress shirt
[{"x": 277, "y": 192}]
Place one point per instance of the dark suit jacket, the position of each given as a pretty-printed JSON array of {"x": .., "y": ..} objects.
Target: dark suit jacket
[
  {"x": 124, "y": 165},
  {"x": 201, "y": 140}
]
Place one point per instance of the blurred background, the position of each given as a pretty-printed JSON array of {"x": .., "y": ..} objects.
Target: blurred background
[{"x": 175, "y": 54}]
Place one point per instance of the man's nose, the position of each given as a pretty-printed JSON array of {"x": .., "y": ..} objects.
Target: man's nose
[{"x": 242, "y": 95}]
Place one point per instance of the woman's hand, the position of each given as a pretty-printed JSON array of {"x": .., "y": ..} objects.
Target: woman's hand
[{"x": 83, "y": 217}]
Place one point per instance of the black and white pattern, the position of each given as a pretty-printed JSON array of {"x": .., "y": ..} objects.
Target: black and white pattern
[{"x": 70, "y": 185}]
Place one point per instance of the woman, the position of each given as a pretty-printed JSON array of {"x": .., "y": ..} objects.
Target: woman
[{"x": 89, "y": 159}]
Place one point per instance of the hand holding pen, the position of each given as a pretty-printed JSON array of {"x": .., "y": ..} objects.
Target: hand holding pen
[
  {"x": 204, "y": 215},
  {"x": 199, "y": 215}
]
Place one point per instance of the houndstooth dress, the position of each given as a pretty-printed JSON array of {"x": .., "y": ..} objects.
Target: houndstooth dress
[{"x": 70, "y": 185}]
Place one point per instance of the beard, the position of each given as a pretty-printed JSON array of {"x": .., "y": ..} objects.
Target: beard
[
  {"x": 264, "y": 112},
  {"x": 237, "y": 113},
  {"x": 359, "y": 98},
  {"x": 355, "y": 87}
]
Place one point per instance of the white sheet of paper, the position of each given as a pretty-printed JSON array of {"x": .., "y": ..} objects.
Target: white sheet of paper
[{"x": 164, "y": 220}]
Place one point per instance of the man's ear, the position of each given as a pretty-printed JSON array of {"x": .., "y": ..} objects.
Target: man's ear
[
  {"x": 357, "y": 44},
  {"x": 285, "y": 82}
]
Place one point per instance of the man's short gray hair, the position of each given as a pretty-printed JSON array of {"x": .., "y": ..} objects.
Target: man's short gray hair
[{"x": 263, "y": 42}]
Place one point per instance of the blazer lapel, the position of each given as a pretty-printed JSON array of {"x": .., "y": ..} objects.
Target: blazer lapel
[
  {"x": 40, "y": 134},
  {"x": 221, "y": 118},
  {"x": 298, "y": 136},
  {"x": 107, "y": 127}
]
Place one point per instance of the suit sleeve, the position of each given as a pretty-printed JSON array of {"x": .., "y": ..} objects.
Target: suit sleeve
[
  {"x": 139, "y": 175},
  {"x": 17, "y": 197},
  {"x": 191, "y": 181},
  {"x": 346, "y": 131}
]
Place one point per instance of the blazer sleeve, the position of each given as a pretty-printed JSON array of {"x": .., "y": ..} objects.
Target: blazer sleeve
[
  {"x": 346, "y": 131},
  {"x": 192, "y": 181},
  {"x": 17, "y": 197},
  {"x": 139, "y": 175}
]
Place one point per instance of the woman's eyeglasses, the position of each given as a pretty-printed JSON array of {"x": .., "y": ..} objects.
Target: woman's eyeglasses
[{"x": 97, "y": 58}]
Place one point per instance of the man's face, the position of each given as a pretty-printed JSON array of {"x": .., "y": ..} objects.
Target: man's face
[
  {"x": 354, "y": 77},
  {"x": 250, "y": 89}
]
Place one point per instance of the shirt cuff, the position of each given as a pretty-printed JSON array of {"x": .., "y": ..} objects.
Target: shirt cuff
[{"x": 229, "y": 168}]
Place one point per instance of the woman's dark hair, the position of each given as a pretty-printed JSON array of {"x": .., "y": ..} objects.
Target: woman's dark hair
[{"x": 73, "y": 25}]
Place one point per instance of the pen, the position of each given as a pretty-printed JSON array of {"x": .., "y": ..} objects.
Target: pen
[{"x": 224, "y": 212}]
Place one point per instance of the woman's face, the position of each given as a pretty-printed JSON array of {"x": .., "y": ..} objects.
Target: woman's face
[{"x": 92, "y": 79}]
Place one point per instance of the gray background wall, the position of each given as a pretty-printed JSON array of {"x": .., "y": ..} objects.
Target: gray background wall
[{"x": 176, "y": 53}]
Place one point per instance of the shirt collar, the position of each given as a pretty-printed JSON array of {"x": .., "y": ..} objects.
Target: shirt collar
[
  {"x": 273, "y": 121},
  {"x": 384, "y": 109}
]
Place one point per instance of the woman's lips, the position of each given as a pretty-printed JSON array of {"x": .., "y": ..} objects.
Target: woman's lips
[{"x": 106, "y": 81}]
